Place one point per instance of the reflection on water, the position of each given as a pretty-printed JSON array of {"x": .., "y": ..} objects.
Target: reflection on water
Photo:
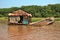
[
  {"x": 13, "y": 32},
  {"x": 17, "y": 31},
  {"x": 3, "y": 31},
  {"x": 25, "y": 32}
]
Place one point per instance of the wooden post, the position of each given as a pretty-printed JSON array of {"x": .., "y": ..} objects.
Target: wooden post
[{"x": 29, "y": 19}]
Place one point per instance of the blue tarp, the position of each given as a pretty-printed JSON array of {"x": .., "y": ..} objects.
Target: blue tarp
[{"x": 25, "y": 21}]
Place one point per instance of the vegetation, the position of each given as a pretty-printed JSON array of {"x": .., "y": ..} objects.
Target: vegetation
[
  {"x": 39, "y": 19},
  {"x": 51, "y": 10},
  {"x": 36, "y": 19},
  {"x": 3, "y": 18},
  {"x": 33, "y": 19},
  {"x": 36, "y": 11},
  {"x": 57, "y": 19}
]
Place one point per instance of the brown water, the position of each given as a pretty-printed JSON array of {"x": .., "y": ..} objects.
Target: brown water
[{"x": 24, "y": 32}]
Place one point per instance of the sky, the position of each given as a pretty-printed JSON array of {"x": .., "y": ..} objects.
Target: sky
[{"x": 19, "y": 3}]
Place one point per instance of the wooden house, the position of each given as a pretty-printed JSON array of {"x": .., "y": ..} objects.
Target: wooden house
[{"x": 19, "y": 17}]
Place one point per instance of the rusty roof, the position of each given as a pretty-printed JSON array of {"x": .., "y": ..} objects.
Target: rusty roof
[{"x": 19, "y": 13}]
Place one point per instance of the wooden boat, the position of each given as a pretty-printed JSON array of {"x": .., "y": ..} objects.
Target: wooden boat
[{"x": 43, "y": 22}]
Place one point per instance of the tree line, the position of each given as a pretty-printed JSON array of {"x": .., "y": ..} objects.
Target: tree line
[{"x": 51, "y": 10}]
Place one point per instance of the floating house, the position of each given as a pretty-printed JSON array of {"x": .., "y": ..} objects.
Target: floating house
[{"x": 19, "y": 17}]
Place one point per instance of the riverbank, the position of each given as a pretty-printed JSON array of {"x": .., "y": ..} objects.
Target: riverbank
[
  {"x": 38, "y": 19},
  {"x": 5, "y": 19}
]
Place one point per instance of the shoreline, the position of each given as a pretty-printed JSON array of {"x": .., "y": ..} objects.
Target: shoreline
[{"x": 5, "y": 19}]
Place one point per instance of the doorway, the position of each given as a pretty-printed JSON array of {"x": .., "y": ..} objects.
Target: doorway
[{"x": 21, "y": 19}]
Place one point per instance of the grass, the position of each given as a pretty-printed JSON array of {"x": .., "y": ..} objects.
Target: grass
[
  {"x": 3, "y": 18},
  {"x": 33, "y": 19},
  {"x": 57, "y": 19},
  {"x": 38, "y": 19}
]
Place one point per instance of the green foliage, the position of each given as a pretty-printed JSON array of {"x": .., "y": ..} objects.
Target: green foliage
[
  {"x": 39, "y": 19},
  {"x": 57, "y": 19},
  {"x": 36, "y": 11},
  {"x": 36, "y": 19}
]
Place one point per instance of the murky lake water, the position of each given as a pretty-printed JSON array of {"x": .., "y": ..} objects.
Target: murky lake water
[{"x": 24, "y": 32}]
